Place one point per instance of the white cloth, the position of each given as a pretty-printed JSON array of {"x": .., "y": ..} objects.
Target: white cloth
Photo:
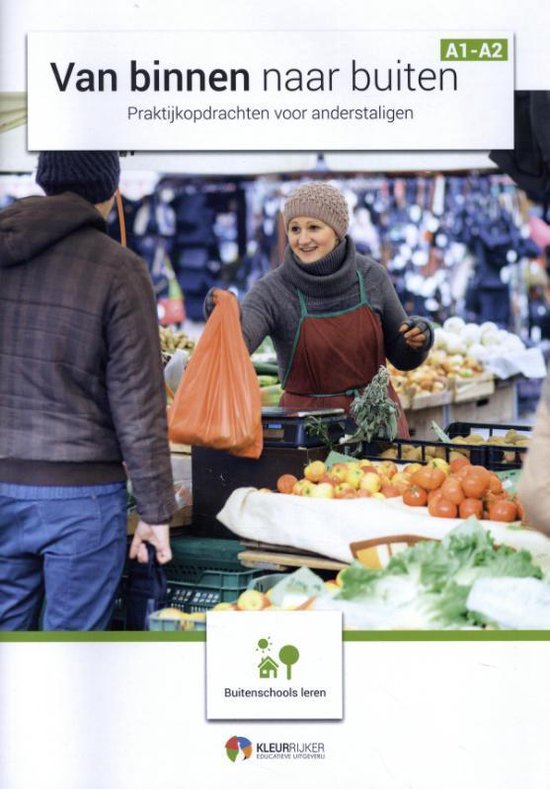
[{"x": 328, "y": 526}]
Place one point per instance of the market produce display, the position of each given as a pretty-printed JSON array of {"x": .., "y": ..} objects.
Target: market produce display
[
  {"x": 465, "y": 580},
  {"x": 460, "y": 355},
  {"x": 476, "y": 342},
  {"x": 448, "y": 490},
  {"x": 172, "y": 340}
]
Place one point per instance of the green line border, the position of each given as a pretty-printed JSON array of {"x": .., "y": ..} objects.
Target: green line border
[{"x": 347, "y": 635}]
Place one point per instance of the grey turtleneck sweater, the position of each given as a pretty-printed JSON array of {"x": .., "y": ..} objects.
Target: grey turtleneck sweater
[{"x": 271, "y": 308}]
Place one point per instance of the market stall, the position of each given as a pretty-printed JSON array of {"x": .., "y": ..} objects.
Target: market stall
[{"x": 214, "y": 221}]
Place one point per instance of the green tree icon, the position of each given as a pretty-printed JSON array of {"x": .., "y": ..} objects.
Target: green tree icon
[{"x": 288, "y": 655}]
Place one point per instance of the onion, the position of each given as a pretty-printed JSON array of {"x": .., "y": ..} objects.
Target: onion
[{"x": 454, "y": 325}]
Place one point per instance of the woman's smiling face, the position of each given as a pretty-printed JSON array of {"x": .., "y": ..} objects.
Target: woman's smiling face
[{"x": 310, "y": 239}]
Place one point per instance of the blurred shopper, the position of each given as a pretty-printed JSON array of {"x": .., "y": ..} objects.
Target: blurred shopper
[
  {"x": 534, "y": 484},
  {"x": 333, "y": 314},
  {"x": 81, "y": 392}
]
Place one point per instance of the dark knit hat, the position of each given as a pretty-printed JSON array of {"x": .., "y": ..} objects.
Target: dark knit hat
[
  {"x": 94, "y": 175},
  {"x": 320, "y": 201}
]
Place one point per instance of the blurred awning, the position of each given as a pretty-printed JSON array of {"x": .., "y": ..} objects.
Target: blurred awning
[{"x": 13, "y": 110}]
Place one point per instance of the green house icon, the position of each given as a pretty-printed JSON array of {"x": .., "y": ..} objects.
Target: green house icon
[{"x": 268, "y": 668}]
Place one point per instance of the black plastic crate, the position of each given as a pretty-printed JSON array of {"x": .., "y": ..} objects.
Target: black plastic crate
[
  {"x": 494, "y": 457},
  {"x": 374, "y": 450},
  {"x": 498, "y": 457}
]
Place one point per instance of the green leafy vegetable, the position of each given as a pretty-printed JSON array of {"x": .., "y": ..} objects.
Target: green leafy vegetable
[{"x": 429, "y": 582}]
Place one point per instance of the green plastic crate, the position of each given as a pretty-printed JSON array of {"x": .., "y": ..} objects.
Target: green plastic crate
[
  {"x": 212, "y": 588},
  {"x": 193, "y": 557}
]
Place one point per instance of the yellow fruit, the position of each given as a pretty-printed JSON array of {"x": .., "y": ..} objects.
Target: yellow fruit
[
  {"x": 370, "y": 482},
  {"x": 170, "y": 613},
  {"x": 323, "y": 490},
  {"x": 252, "y": 600},
  {"x": 315, "y": 470},
  {"x": 224, "y": 607},
  {"x": 441, "y": 464},
  {"x": 354, "y": 476},
  {"x": 338, "y": 472},
  {"x": 342, "y": 489}
]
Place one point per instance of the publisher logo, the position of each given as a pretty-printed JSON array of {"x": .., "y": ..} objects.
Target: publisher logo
[{"x": 238, "y": 749}]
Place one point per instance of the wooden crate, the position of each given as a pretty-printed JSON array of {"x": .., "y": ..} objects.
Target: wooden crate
[
  {"x": 420, "y": 421},
  {"x": 468, "y": 389},
  {"x": 498, "y": 407},
  {"x": 423, "y": 400}
]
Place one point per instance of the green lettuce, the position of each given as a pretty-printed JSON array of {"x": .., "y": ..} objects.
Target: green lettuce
[{"x": 430, "y": 581}]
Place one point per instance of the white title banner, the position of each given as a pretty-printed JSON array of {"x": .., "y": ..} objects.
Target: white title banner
[{"x": 237, "y": 91}]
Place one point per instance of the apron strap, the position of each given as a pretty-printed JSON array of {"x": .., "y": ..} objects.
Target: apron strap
[
  {"x": 347, "y": 393},
  {"x": 303, "y": 308},
  {"x": 362, "y": 290}
]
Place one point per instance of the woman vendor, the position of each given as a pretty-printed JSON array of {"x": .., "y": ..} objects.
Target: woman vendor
[{"x": 333, "y": 314}]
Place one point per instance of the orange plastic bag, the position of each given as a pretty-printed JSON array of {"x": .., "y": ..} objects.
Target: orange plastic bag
[{"x": 218, "y": 403}]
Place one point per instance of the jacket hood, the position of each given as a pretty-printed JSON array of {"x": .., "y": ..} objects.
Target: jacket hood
[{"x": 34, "y": 224}]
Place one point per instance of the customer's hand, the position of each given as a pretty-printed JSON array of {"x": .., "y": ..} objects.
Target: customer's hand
[
  {"x": 158, "y": 536},
  {"x": 416, "y": 332}
]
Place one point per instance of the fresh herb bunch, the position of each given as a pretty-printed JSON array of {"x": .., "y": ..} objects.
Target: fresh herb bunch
[
  {"x": 373, "y": 411},
  {"x": 316, "y": 427}
]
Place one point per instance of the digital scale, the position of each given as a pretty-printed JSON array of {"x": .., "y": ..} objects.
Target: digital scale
[{"x": 288, "y": 427}]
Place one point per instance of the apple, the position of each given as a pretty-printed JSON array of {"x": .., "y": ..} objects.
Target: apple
[
  {"x": 224, "y": 607},
  {"x": 441, "y": 464},
  {"x": 388, "y": 468},
  {"x": 323, "y": 490},
  {"x": 252, "y": 600},
  {"x": 384, "y": 479},
  {"x": 329, "y": 479},
  {"x": 338, "y": 472},
  {"x": 366, "y": 464},
  {"x": 342, "y": 489},
  {"x": 315, "y": 470},
  {"x": 370, "y": 482},
  {"x": 401, "y": 481},
  {"x": 412, "y": 467},
  {"x": 377, "y": 495},
  {"x": 354, "y": 476},
  {"x": 307, "y": 488},
  {"x": 297, "y": 488}
]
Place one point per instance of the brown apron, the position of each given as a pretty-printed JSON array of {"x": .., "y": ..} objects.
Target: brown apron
[{"x": 334, "y": 356}]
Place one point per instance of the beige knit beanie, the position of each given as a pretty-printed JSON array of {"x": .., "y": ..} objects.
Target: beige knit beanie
[{"x": 320, "y": 201}]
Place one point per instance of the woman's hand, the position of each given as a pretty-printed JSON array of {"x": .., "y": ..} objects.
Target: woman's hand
[{"x": 416, "y": 333}]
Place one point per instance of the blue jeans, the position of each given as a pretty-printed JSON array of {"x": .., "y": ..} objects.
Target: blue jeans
[{"x": 62, "y": 552}]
